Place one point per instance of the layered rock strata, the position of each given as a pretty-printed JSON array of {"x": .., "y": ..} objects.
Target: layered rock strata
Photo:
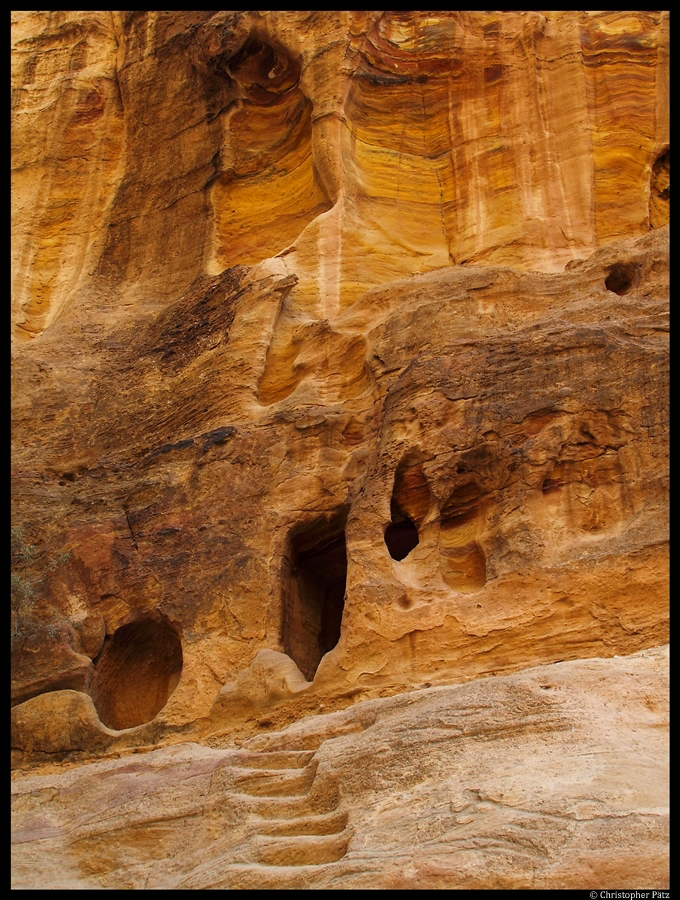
[{"x": 151, "y": 147}]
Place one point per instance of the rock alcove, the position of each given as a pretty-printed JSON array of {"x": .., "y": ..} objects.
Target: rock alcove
[
  {"x": 267, "y": 153},
  {"x": 409, "y": 505},
  {"x": 401, "y": 535},
  {"x": 136, "y": 672},
  {"x": 622, "y": 278},
  {"x": 463, "y": 561}
]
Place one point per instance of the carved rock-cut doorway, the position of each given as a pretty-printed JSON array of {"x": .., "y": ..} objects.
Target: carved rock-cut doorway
[{"x": 314, "y": 592}]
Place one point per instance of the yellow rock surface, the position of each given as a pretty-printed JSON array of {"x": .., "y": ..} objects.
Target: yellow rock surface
[{"x": 67, "y": 136}]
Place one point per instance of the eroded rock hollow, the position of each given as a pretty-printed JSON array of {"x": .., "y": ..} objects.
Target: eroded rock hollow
[{"x": 340, "y": 448}]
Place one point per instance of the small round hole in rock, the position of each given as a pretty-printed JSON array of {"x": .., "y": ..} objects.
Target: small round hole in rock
[{"x": 621, "y": 278}]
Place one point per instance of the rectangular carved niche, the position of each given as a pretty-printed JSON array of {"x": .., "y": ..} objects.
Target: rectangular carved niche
[{"x": 315, "y": 576}]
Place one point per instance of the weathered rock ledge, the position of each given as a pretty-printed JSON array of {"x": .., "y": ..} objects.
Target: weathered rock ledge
[{"x": 494, "y": 496}]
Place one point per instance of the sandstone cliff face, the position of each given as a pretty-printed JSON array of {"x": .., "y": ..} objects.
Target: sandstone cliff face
[{"x": 340, "y": 371}]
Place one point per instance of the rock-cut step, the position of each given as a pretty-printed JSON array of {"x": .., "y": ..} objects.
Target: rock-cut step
[
  {"x": 324, "y": 824},
  {"x": 276, "y": 782},
  {"x": 322, "y": 799},
  {"x": 305, "y": 850},
  {"x": 273, "y": 759}
]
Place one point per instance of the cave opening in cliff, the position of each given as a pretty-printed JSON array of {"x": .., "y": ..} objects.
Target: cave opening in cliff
[
  {"x": 314, "y": 596},
  {"x": 136, "y": 672}
]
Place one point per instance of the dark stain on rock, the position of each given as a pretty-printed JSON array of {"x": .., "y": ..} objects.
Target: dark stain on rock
[
  {"x": 199, "y": 322},
  {"x": 166, "y": 448},
  {"x": 218, "y": 436},
  {"x": 389, "y": 80},
  {"x": 492, "y": 74}
]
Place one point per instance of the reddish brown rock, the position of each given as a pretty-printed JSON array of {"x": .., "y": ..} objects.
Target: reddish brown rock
[{"x": 505, "y": 473}]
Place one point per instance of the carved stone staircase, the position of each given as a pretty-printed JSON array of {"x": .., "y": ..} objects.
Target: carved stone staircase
[{"x": 296, "y": 814}]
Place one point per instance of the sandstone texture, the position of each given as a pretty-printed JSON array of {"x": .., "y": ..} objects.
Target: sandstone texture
[{"x": 340, "y": 434}]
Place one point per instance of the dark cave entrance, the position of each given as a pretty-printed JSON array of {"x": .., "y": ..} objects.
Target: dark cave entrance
[
  {"x": 622, "y": 278},
  {"x": 314, "y": 595}
]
